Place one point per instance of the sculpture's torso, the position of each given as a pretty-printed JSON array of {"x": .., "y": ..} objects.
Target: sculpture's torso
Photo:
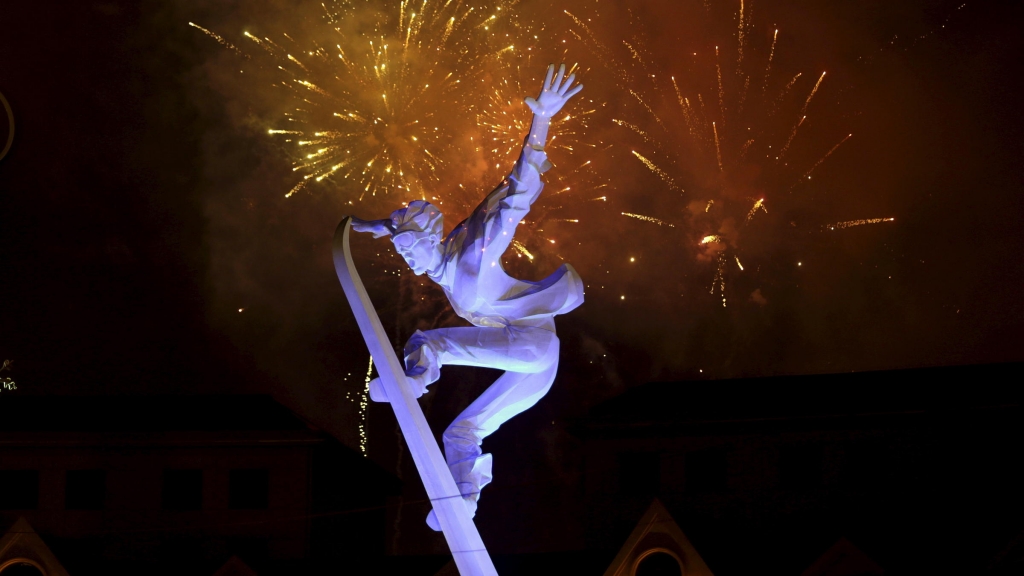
[{"x": 477, "y": 285}]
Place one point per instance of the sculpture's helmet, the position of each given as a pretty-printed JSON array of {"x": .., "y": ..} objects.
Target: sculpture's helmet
[{"x": 419, "y": 217}]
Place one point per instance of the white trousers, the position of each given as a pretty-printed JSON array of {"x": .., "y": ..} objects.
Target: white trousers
[{"x": 529, "y": 356}]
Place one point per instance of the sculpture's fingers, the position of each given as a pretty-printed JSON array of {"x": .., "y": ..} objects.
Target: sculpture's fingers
[
  {"x": 547, "y": 79},
  {"x": 558, "y": 79},
  {"x": 565, "y": 85},
  {"x": 532, "y": 104},
  {"x": 574, "y": 91}
]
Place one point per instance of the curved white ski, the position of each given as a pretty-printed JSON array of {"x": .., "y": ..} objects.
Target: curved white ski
[{"x": 467, "y": 548}]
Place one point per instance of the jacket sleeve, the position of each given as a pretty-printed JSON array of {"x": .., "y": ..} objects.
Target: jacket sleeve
[{"x": 493, "y": 223}]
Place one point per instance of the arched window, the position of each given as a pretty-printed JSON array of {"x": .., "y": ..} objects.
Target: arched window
[
  {"x": 658, "y": 563},
  {"x": 20, "y": 568}
]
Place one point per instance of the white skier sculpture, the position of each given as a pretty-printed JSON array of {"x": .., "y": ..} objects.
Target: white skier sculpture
[{"x": 513, "y": 320}]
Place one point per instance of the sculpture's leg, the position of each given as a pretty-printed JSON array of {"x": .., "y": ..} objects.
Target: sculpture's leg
[
  {"x": 511, "y": 394},
  {"x": 530, "y": 357},
  {"x": 526, "y": 349}
]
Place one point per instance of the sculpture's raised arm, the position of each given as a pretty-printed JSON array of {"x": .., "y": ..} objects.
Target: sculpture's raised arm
[
  {"x": 493, "y": 223},
  {"x": 553, "y": 95},
  {"x": 556, "y": 91}
]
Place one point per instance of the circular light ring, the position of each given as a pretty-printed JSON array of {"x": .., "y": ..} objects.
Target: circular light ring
[
  {"x": 10, "y": 123},
  {"x": 658, "y": 550}
]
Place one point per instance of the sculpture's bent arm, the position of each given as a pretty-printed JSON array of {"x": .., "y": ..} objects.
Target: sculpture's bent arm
[
  {"x": 379, "y": 228},
  {"x": 493, "y": 223}
]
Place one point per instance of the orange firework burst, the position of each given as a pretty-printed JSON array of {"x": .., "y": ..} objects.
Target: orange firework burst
[{"x": 726, "y": 137}]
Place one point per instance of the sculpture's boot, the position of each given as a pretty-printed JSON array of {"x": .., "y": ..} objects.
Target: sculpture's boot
[
  {"x": 422, "y": 359},
  {"x": 377, "y": 391},
  {"x": 422, "y": 367},
  {"x": 416, "y": 384},
  {"x": 435, "y": 525},
  {"x": 470, "y": 476},
  {"x": 471, "y": 469}
]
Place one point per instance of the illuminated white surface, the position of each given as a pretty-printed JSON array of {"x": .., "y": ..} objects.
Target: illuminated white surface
[
  {"x": 455, "y": 518},
  {"x": 512, "y": 320}
]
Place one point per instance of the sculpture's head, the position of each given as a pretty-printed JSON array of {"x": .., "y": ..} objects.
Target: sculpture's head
[{"x": 416, "y": 234}]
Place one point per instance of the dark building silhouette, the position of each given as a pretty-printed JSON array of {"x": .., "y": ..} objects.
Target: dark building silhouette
[
  {"x": 161, "y": 485},
  {"x": 920, "y": 469},
  {"x": 899, "y": 472},
  {"x": 892, "y": 472}
]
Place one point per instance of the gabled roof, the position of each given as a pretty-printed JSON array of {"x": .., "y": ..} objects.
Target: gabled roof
[
  {"x": 843, "y": 559},
  {"x": 657, "y": 532},
  {"x": 21, "y": 544},
  {"x": 235, "y": 567}
]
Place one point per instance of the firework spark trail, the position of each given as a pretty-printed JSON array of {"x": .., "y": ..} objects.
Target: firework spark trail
[
  {"x": 304, "y": 69},
  {"x": 684, "y": 104},
  {"x": 602, "y": 50},
  {"x": 580, "y": 167},
  {"x": 738, "y": 263},
  {"x": 745, "y": 147},
  {"x": 364, "y": 401},
  {"x": 721, "y": 89},
  {"x": 635, "y": 54},
  {"x": 719, "y": 279},
  {"x": 219, "y": 39},
  {"x": 759, "y": 205},
  {"x": 679, "y": 95},
  {"x": 654, "y": 168},
  {"x": 448, "y": 27},
  {"x": 711, "y": 239},
  {"x": 783, "y": 93},
  {"x": 807, "y": 175},
  {"x": 518, "y": 246},
  {"x": 803, "y": 111},
  {"x": 298, "y": 187},
  {"x": 789, "y": 140},
  {"x": 650, "y": 219},
  {"x": 643, "y": 134},
  {"x": 851, "y": 223},
  {"x": 914, "y": 40},
  {"x": 739, "y": 45},
  {"x": 768, "y": 67},
  {"x": 649, "y": 109},
  {"x": 718, "y": 148},
  {"x": 269, "y": 47},
  {"x": 743, "y": 96},
  {"x": 703, "y": 116}
]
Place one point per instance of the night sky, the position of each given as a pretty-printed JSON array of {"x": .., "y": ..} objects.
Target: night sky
[{"x": 142, "y": 206}]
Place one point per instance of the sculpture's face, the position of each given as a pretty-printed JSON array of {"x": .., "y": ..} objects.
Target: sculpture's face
[{"x": 419, "y": 249}]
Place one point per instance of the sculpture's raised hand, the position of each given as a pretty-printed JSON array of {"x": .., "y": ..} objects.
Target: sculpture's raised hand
[
  {"x": 554, "y": 94},
  {"x": 379, "y": 228}
]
